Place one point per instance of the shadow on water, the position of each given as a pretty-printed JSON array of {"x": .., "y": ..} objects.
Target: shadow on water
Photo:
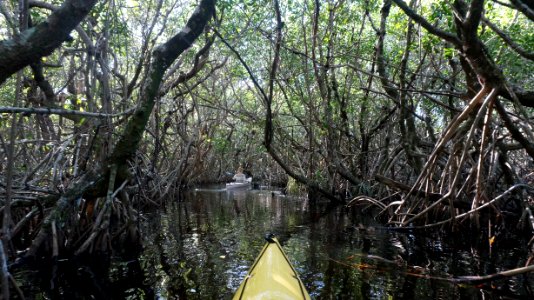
[{"x": 202, "y": 246}]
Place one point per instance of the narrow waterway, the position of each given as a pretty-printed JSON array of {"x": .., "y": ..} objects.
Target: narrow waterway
[{"x": 201, "y": 245}]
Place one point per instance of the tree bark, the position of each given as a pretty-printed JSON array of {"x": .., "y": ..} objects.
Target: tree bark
[
  {"x": 472, "y": 48},
  {"x": 163, "y": 57},
  {"x": 32, "y": 44}
]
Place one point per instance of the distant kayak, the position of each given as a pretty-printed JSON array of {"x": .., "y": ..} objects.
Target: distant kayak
[
  {"x": 272, "y": 277},
  {"x": 246, "y": 183}
]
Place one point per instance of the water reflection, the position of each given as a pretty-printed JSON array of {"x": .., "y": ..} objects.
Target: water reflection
[{"x": 202, "y": 247}]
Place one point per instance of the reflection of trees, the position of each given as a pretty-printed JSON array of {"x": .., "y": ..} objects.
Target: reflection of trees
[
  {"x": 207, "y": 243},
  {"x": 201, "y": 239}
]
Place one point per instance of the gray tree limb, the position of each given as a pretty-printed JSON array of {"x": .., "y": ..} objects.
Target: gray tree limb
[
  {"x": 58, "y": 111},
  {"x": 41, "y": 40}
]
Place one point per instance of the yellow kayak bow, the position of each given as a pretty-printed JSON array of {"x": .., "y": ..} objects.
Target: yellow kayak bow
[{"x": 272, "y": 277}]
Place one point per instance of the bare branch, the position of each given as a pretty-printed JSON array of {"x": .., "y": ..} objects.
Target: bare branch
[
  {"x": 42, "y": 40},
  {"x": 447, "y": 36},
  {"x": 520, "y": 50},
  {"x": 473, "y": 17},
  {"x": 60, "y": 112},
  {"x": 245, "y": 65},
  {"x": 163, "y": 56},
  {"x": 83, "y": 35},
  {"x": 527, "y": 10},
  {"x": 201, "y": 58},
  {"x": 514, "y": 131}
]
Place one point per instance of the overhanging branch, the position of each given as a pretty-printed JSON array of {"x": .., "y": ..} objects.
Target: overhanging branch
[
  {"x": 41, "y": 40},
  {"x": 58, "y": 111}
]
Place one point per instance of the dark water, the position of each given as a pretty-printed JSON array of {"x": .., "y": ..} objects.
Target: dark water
[{"x": 202, "y": 246}]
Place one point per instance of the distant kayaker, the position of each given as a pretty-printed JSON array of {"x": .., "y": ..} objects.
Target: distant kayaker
[{"x": 239, "y": 176}]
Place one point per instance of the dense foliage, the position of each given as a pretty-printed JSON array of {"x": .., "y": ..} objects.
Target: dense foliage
[{"x": 422, "y": 109}]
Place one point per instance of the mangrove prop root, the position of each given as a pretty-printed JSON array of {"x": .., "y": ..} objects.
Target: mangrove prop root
[
  {"x": 481, "y": 103},
  {"x": 102, "y": 222},
  {"x": 62, "y": 209},
  {"x": 478, "y": 208},
  {"x": 4, "y": 273}
]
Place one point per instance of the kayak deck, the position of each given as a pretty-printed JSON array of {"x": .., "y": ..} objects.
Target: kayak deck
[{"x": 272, "y": 277}]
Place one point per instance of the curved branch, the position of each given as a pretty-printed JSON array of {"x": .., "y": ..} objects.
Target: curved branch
[
  {"x": 58, "y": 111},
  {"x": 514, "y": 131},
  {"x": 526, "y": 9},
  {"x": 201, "y": 58},
  {"x": 83, "y": 35},
  {"x": 94, "y": 183},
  {"x": 34, "y": 43},
  {"x": 447, "y": 36},
  {"x": 163, "y": 56},
  {"x": 387, "y": 85},
  {"x": 245, "y": 65},
  {"x": 520, "y": 50}
]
